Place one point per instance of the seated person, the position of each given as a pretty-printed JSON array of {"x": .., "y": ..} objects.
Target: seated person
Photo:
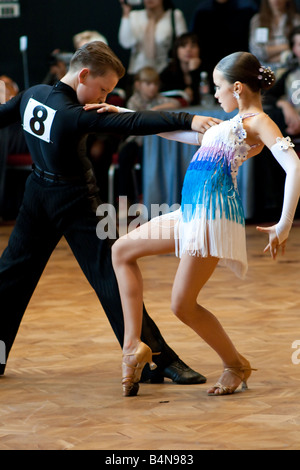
[
  {"x": 270, "y": 30},
  {"x": 286, "y": 92},
  {"x": 16, "y": 140},
  {"x": 13, "y": 182},
  {"x": 183, "y": 72}
]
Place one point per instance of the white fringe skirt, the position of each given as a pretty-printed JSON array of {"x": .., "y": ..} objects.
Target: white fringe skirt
[{"x": 218, "y": 237}]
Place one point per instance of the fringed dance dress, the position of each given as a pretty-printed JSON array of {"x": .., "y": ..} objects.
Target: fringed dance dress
[{"x": 211, "y": 218}]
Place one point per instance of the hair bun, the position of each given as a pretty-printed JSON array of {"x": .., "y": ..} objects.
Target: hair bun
[{"x": 266, "y": 77}]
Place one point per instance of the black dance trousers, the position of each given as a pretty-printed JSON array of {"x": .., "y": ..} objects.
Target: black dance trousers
[{"x": 52, "y": 210}]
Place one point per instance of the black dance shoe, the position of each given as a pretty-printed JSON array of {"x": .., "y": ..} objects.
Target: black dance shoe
[{"x": 177, "y": 371}]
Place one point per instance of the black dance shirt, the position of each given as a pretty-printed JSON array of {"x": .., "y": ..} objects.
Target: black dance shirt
[{"x": 55, "y": 125}]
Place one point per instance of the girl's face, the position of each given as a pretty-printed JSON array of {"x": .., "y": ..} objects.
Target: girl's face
[
  {"x": 187, "y": 52},
  {"x": 296, "y": 46},
  {"x": 224, "y": 92}
]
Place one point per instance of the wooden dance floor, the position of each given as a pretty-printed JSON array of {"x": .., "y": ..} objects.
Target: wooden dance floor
[{"x": 62, "y": 386}]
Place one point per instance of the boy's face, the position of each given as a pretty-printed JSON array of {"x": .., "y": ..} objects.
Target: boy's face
[{"x": 94, "y": 89}]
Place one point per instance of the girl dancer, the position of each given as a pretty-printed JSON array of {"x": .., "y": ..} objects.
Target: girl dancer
[{"x": 210, "y": 226}]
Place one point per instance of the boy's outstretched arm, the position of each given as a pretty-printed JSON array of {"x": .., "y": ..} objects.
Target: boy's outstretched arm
[{"x": 200, "y": 124}]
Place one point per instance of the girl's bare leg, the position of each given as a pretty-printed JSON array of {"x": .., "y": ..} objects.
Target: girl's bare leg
[
  {"x": 149, "y": 239},
  {"x": 192, "y": 275}
]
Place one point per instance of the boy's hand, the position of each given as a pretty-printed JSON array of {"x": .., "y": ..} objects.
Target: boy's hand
[
  {"x": 203, "y": 123},
  {"x": 101, "y": 108},
  {"x": 273, "y": 244}
]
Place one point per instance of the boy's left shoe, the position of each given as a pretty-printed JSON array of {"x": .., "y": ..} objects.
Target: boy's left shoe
[{"x": 177, "y": 371}]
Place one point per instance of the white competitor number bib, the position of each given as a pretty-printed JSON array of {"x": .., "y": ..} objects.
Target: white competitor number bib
[{"x": 38, "y": 119}]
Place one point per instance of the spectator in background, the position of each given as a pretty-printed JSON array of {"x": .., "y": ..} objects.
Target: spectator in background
[
  {"x": 145, "y": 97},
  {"x": 12, "y": 183},
  {"x": 15, "y": 135},
  {"x": 286, "y": 92},
  {"x": 11, "y": 87},
  {"x": 270, "y": 30},
  {"x": 58, "y": 66},
  {"x": 183, "y": 72},
  {"x": 87, "y": 36},
  {"x": 150, "y": 34},
  {"x": 216, "y": 17}
]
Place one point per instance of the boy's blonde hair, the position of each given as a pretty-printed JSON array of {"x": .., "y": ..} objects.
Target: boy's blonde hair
[{"x": 99, "y": 58}]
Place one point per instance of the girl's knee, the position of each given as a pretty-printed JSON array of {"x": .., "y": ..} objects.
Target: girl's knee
[
  {"x": 183, "y": 306},
  {"x": 117, "y": 253},
  {"x": 179, "y": 307},
  {"x": 122, "y": 252}
]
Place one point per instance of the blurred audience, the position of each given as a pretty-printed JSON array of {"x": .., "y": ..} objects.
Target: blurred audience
[
  {"x": 15, "y": 135},
  {"x": 12, "y": 182},
  {"x": 270, "y": 30},
  {"x": 286, "y": 92}
]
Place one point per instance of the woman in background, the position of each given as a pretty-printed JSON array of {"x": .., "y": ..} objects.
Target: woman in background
[
  {"x": 183, "y": 72},
  {"x": 270, "y": 30},
  {"x": 150, "y": 34}
]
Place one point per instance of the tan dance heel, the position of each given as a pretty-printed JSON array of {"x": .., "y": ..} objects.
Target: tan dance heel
[
  {"x": 130, "y": 382},
  {"x": 243, "y": 373}
]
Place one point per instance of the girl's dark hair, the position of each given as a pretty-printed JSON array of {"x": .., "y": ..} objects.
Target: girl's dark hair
[
  {"x": 245, "y": 68},
  {"x": 182, "y": 40}
]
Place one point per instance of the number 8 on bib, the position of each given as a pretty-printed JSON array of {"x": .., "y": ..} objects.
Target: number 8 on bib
[{"x": 38, "y": 119}]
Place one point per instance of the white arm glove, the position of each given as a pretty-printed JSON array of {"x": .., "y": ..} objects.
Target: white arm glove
[
  {"x": 185, "y": 137},
  {"x": 124, "y": 110},
  {"x": 290, "y": 162}
]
